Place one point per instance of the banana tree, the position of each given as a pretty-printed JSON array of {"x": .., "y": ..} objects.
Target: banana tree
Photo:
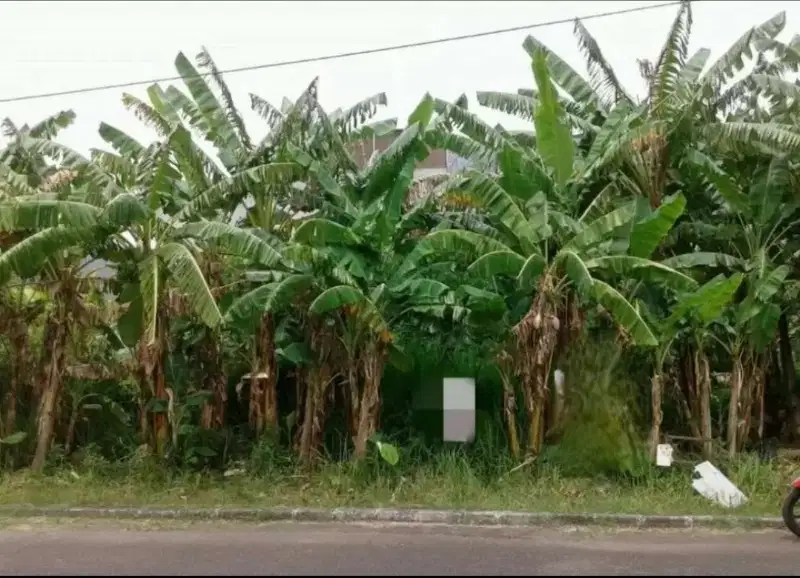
[
  {"x": 685, "y": 112},
  {"x": 257, "y": 314},
  {"x": 685, "y": 108},
  {"x": 763, "y": 219},
  {"x": 303, "y": 123},
  {"x": 284, "y": 273},
  {"x": 214, "y": 187},
  {"x": 23, "y": 174},
  {"x": 586, "y": 102},
  {"x": 284, "y": 291},
  {"x": 359, "y": 245},
  {"x": 559, "y": 258},
  {"x": 21, "y": 306},
  {"x": 126, "y": 205},
  {"x": 688, "y": 327},
  {"x": 21, "y": 170},
  {"x": 319, "y": 256},
  {"x": 144, "y": 192},
  {"x": 53, "y": 255},
  {"x": 48, "y": 227},
  {"x": 172, "y": 260}
]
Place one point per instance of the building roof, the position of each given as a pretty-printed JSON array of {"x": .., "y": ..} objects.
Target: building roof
[{"x": 362, "y": 152}]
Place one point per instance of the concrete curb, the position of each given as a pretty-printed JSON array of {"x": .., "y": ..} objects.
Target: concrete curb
[{"x": 448, "y": 517}]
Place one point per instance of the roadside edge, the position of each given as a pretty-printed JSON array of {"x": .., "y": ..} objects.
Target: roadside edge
[{"x": 409, "y": 516}]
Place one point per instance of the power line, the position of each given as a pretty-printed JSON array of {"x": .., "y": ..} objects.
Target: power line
[{"x": 345, "y": 54}]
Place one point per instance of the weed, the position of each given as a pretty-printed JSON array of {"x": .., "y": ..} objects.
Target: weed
[{"x": 448, "y": 479}]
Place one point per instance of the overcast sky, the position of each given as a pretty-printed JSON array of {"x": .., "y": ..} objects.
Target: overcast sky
[{"x": 52, "y": 46}]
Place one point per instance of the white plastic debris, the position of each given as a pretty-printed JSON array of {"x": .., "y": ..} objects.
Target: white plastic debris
[
  {"x": 664, "y": 455},
  {"x": 559, "y": 397},
  {"x": 558, "y": 378},
  {"x": 712, "y": 484}
]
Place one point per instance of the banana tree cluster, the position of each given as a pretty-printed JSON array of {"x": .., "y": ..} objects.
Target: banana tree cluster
[
  {"x": 560, "y": 256},
  {"x": 671, "y": 218}
]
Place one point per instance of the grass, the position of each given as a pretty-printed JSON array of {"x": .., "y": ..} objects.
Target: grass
[
  {"x": 599, "y": 435},
  {"x": 448, "y": 480}
]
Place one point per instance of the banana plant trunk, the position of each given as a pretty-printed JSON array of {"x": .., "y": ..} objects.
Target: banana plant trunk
[
  {"x": 687, "y": 380},
  {"x": 320, "y": 415},
  {"x": 73, "y": 422},
  {"x": 318, "y": 380},
  {"x": 213, "y": 416},
  {"x": 737, "y": 383},
  {"x": 353, "y": 396},
  {"x": 56, "y": 334},
  {"x": 537, "y": 337},
  {"x": 160, "y": 418},
  {"x": 264, "y": 381},
  {"x": 752, "y": 393},
  {"x": 656, "y": 399},
  {"x": 703, "y": 381},
  {"x": 373, "y": 360},
  {"x": 314, "y": 413},
  {"x": 694, "y": 378},
  {"x": 570, "y": 324},
  {"x": 304, "y": 432},
  {"x": 269, "y": 368},
  {"x": 509, "y": 403},
  {"x": 20, "y": 347},
  {"x": 788, "y": 373},
  {"x": 215, "y": 381},
  {"x": 154, "y": 381}
]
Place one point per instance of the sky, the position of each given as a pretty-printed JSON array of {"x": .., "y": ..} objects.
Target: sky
[{"x": 52, "y": 46}]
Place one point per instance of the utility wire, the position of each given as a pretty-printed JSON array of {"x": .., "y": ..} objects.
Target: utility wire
[{"x": 345, "y": 54}]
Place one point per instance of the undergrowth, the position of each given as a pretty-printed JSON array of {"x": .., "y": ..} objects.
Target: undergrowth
[
  {"x": 595, "y": 462},
  {"x": 451, "y": 478}
]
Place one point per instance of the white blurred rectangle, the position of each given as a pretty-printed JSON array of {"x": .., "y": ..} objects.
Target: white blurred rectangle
[
  {"x": 458, "y": 393},
  {"x": 458, "y": 403}
]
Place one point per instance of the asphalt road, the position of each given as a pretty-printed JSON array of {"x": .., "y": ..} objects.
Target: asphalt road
[{"x": 337, "y": 550}]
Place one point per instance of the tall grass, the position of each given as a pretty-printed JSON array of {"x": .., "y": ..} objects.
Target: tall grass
[
  {"x": 594, "y": 462},
  {"x": 599, "y": 434},
  {"x": 450, "y": 478}
]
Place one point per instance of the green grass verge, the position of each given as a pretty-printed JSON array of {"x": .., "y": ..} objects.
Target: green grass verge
[{"x": 449, "y": 480}]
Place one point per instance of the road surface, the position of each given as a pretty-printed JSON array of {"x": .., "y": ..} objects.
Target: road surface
[{"x": 338, "y": 550}]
